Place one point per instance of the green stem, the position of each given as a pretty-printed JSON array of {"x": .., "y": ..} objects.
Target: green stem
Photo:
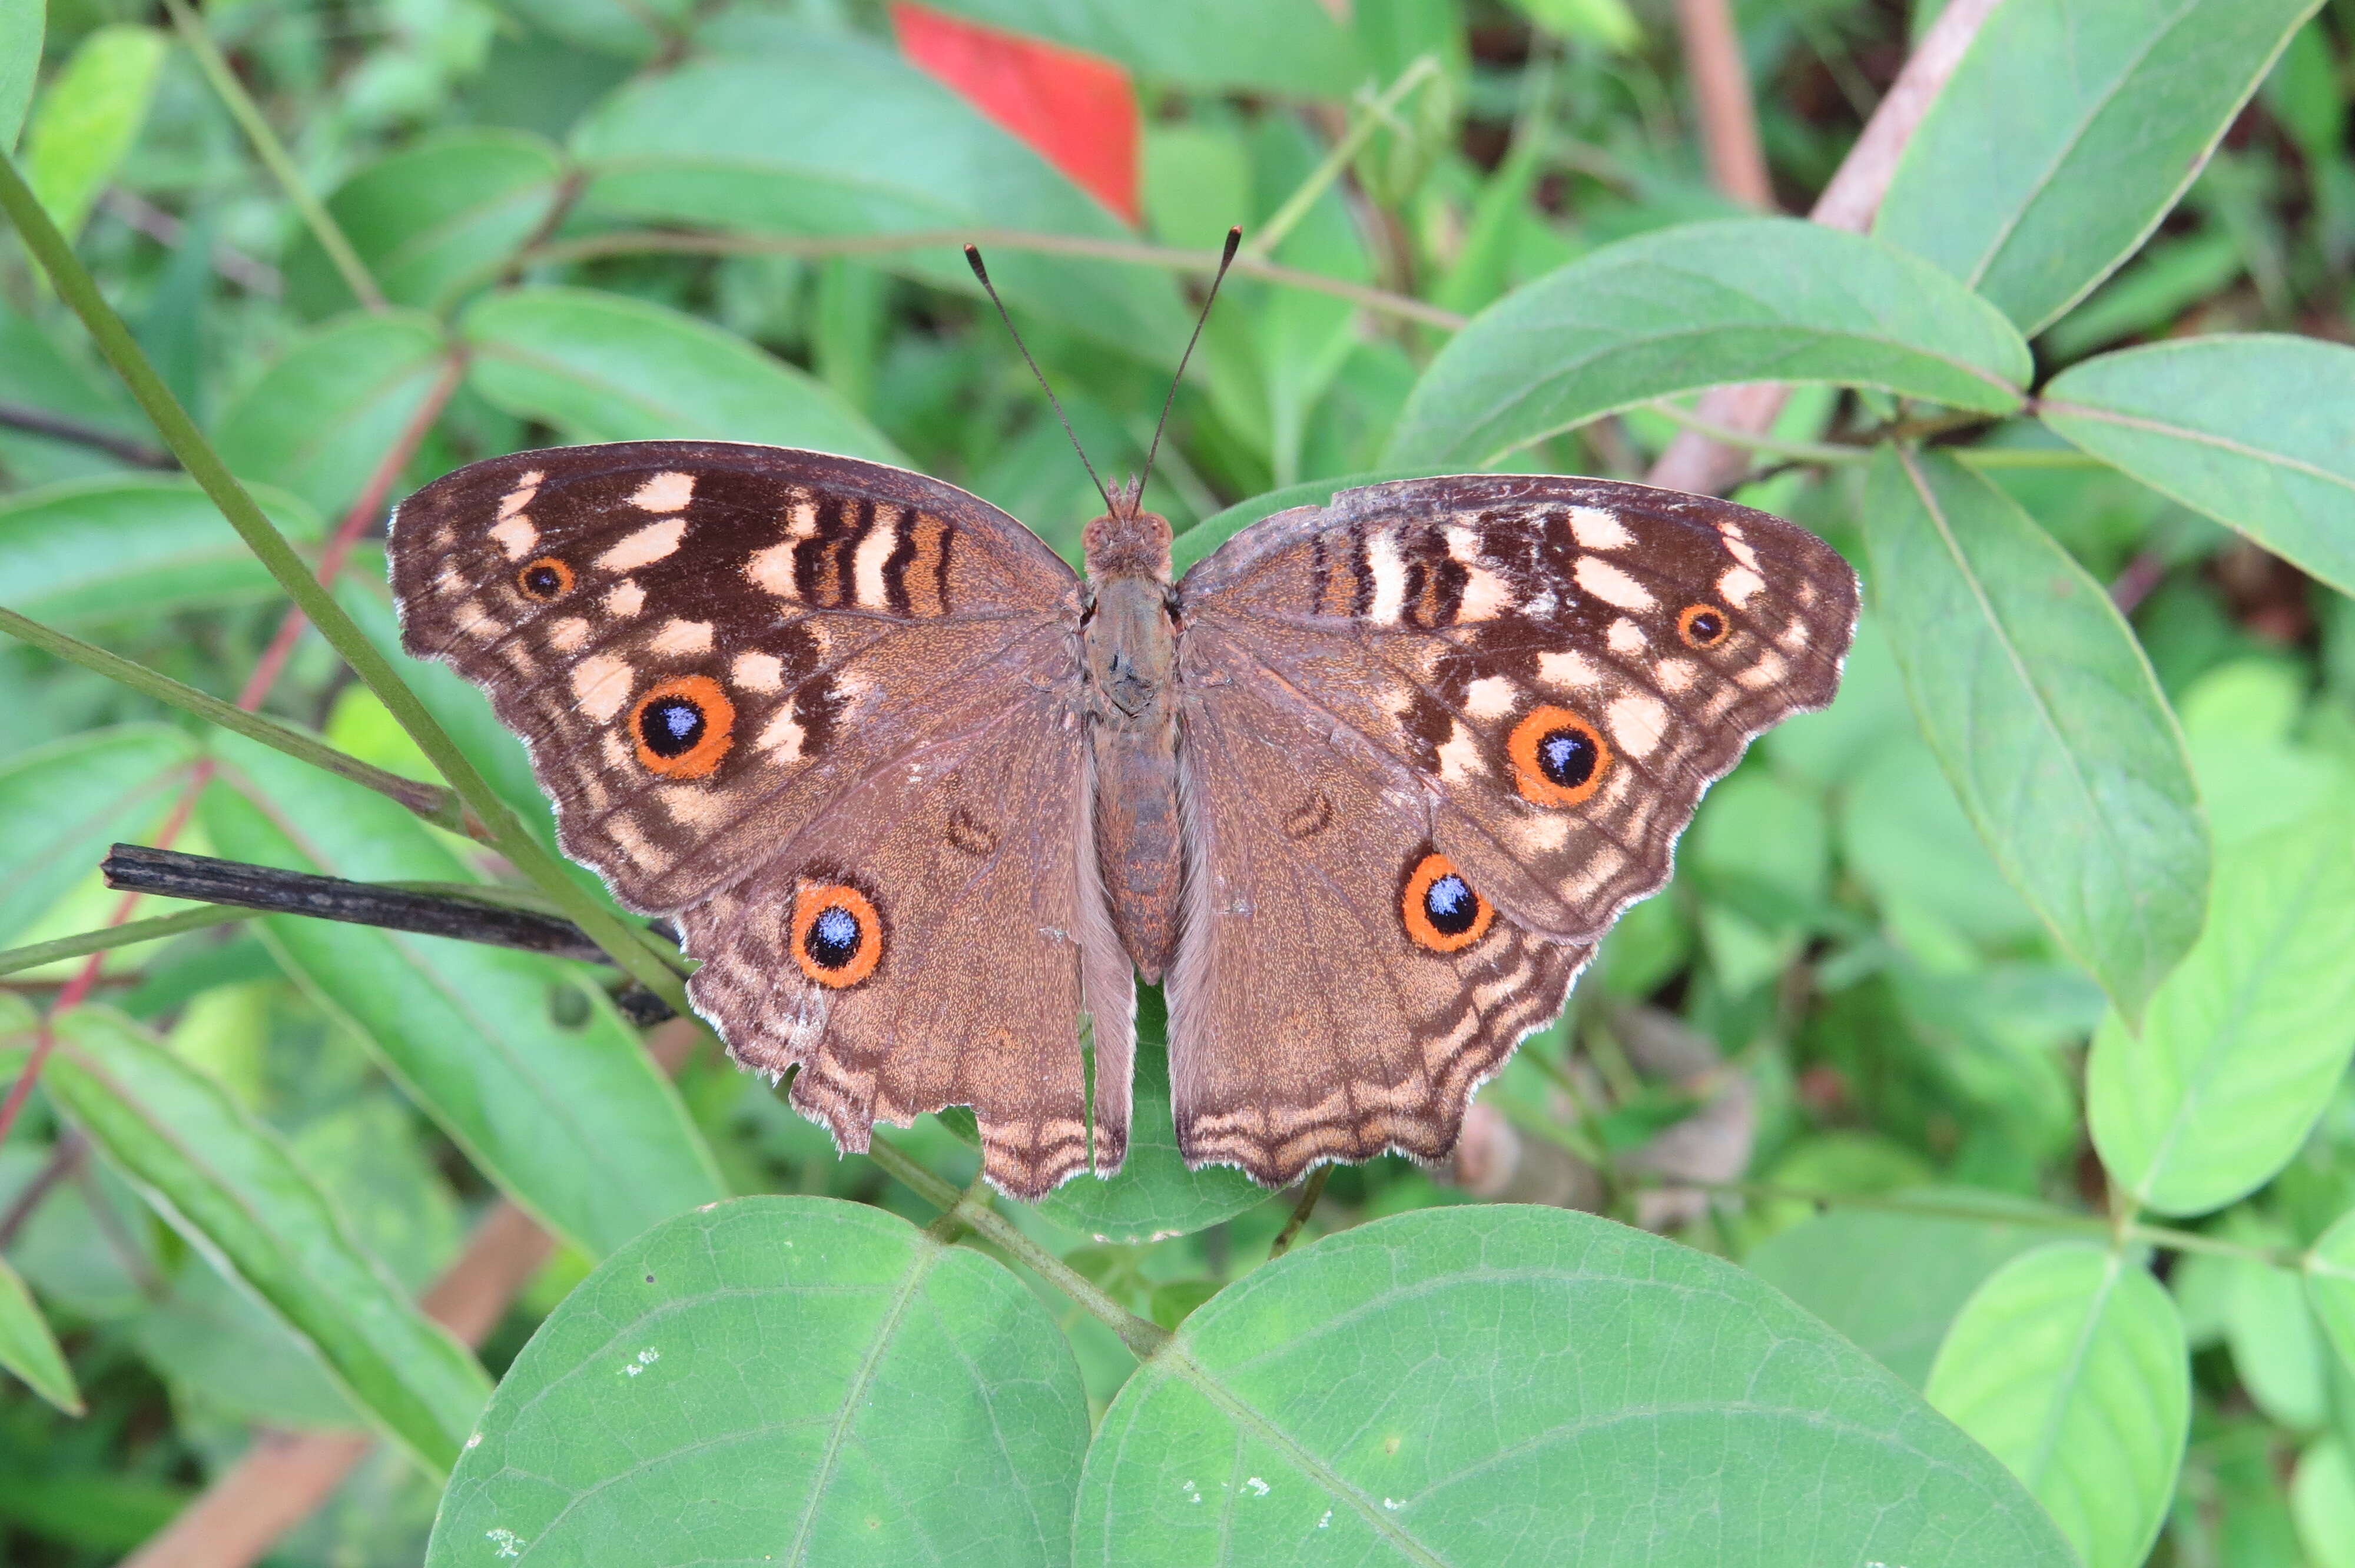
[
  {"x": 1745, "y": 440},
  {"x": 1296, "y": 207},
  {"x": 434, "y": 802},
  {"x": 83, "y": 943},
  {"x": 1129, "y": 252},
  {"x": 506, "y": 832},
  {"x": 1142, "y": 1338},
  {"x": 274, "y": 156}
]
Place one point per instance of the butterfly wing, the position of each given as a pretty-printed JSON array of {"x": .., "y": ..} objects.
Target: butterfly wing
[
  {"x": 1536, "y": 677},
  {"x": 821, "y": 710}
]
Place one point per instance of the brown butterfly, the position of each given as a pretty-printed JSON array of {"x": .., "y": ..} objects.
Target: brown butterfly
[{"x": 1363, "y": 788}]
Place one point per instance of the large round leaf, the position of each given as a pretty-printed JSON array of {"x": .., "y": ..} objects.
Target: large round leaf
[
  {"x": 793, "y": 1381},
  {"x": 1478, "y": 1385},
  {"x": 1702, "y": 305}
]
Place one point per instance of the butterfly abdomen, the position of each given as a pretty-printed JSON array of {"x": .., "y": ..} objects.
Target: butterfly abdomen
[{"x": 1130, "y": 645}]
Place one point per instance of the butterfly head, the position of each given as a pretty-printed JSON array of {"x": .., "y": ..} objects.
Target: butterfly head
[{"x": 1127, "y": 540}]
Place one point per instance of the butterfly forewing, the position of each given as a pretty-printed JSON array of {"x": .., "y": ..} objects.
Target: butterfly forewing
[
  {"x": 1535, "y": 679},
  {"x": 746, "y": 674}
]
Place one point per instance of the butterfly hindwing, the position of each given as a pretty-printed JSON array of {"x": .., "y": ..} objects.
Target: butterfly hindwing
[{"x": 744, "y": 670}]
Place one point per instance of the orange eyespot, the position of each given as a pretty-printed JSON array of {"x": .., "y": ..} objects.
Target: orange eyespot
[
  {"x": 1704, "y": 626},
  {"x": 1441, "y": 911},
  {"x": 682, "y": 727},
  {"x": 544, "y": 581},
  {"x": 1559, "y": 758},
  {"x": 838, "y": 936}
]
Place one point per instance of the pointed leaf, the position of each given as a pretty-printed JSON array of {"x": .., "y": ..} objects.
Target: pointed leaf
[
  {"x": 780, "y": 1379},
  {"x": 2045, "y": 715},
  {"x": 2066, "y": 133},
  {"x": 226, "y": 1184},
  {"x": 794, "y": 132},
  {"x": 1477, "y": 1384},
  {"x": 21, "y": 24},
  {"x": 571, "y": 1119},
  {"x": 2070, "y": 1366},
  {"x": 65, "y": 802},
  {"x": 1702, "y": 305},
  {"x": 325, "y": 412},
  {"x": 604, "y": 369},
  {"x": 2244, "y": 1046},
  {"x": 136, "y": 546},
  {"x": 2250, "y": 429},
  {"x": 29, "y": 1350},
  {"x": 88, "y": 119}
]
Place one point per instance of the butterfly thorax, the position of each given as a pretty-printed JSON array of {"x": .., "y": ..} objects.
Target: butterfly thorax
[{"x": 1129, "y": 641}]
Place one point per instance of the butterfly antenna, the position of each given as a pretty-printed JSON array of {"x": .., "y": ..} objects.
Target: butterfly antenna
[
  {"x": 972, "y": 259},
  {"x": 1234, "y": 240}
]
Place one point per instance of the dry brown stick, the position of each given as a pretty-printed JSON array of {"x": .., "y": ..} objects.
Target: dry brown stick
[
  {"x": 1721, "y": 89},
  {"x": 1693, "y": 461},
  {"x": 285, "y": 1477}
]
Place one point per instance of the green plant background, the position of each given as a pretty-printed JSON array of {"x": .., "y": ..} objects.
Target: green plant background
[{"x": 1956, "y": 1164}]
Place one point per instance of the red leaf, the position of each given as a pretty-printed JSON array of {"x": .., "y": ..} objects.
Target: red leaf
[{"x": 1077, "y": 110}]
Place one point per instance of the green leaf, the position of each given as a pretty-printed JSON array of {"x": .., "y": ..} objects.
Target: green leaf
[
  {"x": 1893, "y": 1280},
  {"x": 570, "y": 1120},
  {"x": 87, "y": 118},
  {"x": 21, "y": 24},
  {"x": 138, "y": 546},
  {"x": 2322, "y": 1500},
  {"x": 630, "y": 28},
  {"x": 325, "y": 413},
  {"x": 2330, "y": 1285},
  {"x": 787, "y": 1380},
  {"x": 794, "y": 132},
  {"x": 29, "y": 1350},
  {"x": 2032, "y": 691},
  {"x": 2284, "y": 1365},
  {"x": 1605, "y": 22},
  {"x": 1215, "y": 46},
  {"x": 2067, "y": 132},
  {"x": 2250, "y": 429},
  {"x": 65, "y": 802},
  {"x": 1154, "y": 1195},
  {"x": 1477, "y": 1385},
  {"x": 604, "y": 368},
  {"x": 2069, "y": 1364},
  {"x": 1701, "y": 305},
  {"x": 2242, "y": 1046},
  {"x": 226, "y": 1184},
  {"x": 432, "y": 218}
]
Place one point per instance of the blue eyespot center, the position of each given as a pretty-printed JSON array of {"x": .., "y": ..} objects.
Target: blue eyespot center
[
  {"x": 671, "y": 726},
  {"x": 1568, "y": 756},
  {"x": 833, "y": 939},
  {"x": 1450, "y": 905}
]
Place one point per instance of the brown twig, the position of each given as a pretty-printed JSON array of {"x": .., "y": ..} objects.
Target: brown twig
[
  {"x": 58, "y": 427},
  {"x": 285, "y": 1477},
  {"x": 1721, "y": 89},
  {"x": 1695, "y": 462}
]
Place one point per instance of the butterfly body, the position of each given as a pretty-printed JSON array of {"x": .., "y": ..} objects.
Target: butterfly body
[{"x": 1363, "y": 788}]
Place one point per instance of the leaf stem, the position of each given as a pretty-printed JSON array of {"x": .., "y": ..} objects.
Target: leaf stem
[
  {"x": 1286, "y": 219},
  {"x": 34, "y": 955},
  {"x": 1129, "y": 252},
  {"x": 434, "y": 802},
  {"x": 1310, "y": 1192},
  {"x": 507, "y": 832},
  {"x": 1142, "y": 1338},
  {"x": 274, "y": 156}
]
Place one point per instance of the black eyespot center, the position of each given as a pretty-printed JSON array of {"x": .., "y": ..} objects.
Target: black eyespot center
[
  {"x": 833, "y": 938},
  {"x": 1704, "y": 626},
  {"x": 1568, "y": 756},
  {"x": 544, "y": 579},
  {"x": 1449, "y": 904},
  {"x": 671, "y": 725}
]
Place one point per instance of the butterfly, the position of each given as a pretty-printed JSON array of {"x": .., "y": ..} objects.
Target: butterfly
[{"x": 1362, "y": 788}]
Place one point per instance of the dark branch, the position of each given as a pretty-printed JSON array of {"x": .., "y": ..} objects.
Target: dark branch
[{"x": 41, "y": 422}]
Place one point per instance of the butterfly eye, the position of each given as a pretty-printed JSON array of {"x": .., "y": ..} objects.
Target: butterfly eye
[
  {"x": 1704, "y": 626},
  {"x": 544, "y": 579},
  {"x": 1441, "y": 911},
  {"x": 838, "y": 936},
  {"x": 683, "y": 727},
  {"x": 1559, "y": 758}
]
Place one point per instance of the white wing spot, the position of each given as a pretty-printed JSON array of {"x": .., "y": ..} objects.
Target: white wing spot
[
  {"x": 781, "y": 735},
  {"x": 526, "y": 486},
  {"x": 1564, "y": 669},
  {"x": 1769, "y": 669},
  {"x": 1459, "y": 759},
  {"x": 866, "y": 563},
  {"x": 682, "y": 637},
  {"x": 624, "y": 599},
  {"x": 772, "y": 569},
  {"x": 601, "y": 684},
  {"x": 515, "y": 535},
  {"x": 1612, "y": 585},
  {"x": 569, "y": 634},
  {"x": 643, "y": 548},
  {"x": 1638, "y": 723},
  {"x": 664, "y": 492},
  {"x": 1491, "y": 696},
  {"x": 1738, "y": 585},
  {"x": 1738, "y": 548},
  {"x": 1389, "y": 568},
  {"x": 1626, "y": 637},
  {"x": 1676, "y": 674},
  {"x": 1595, "y": 529},
  {"x": 759, "y": 671}
]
